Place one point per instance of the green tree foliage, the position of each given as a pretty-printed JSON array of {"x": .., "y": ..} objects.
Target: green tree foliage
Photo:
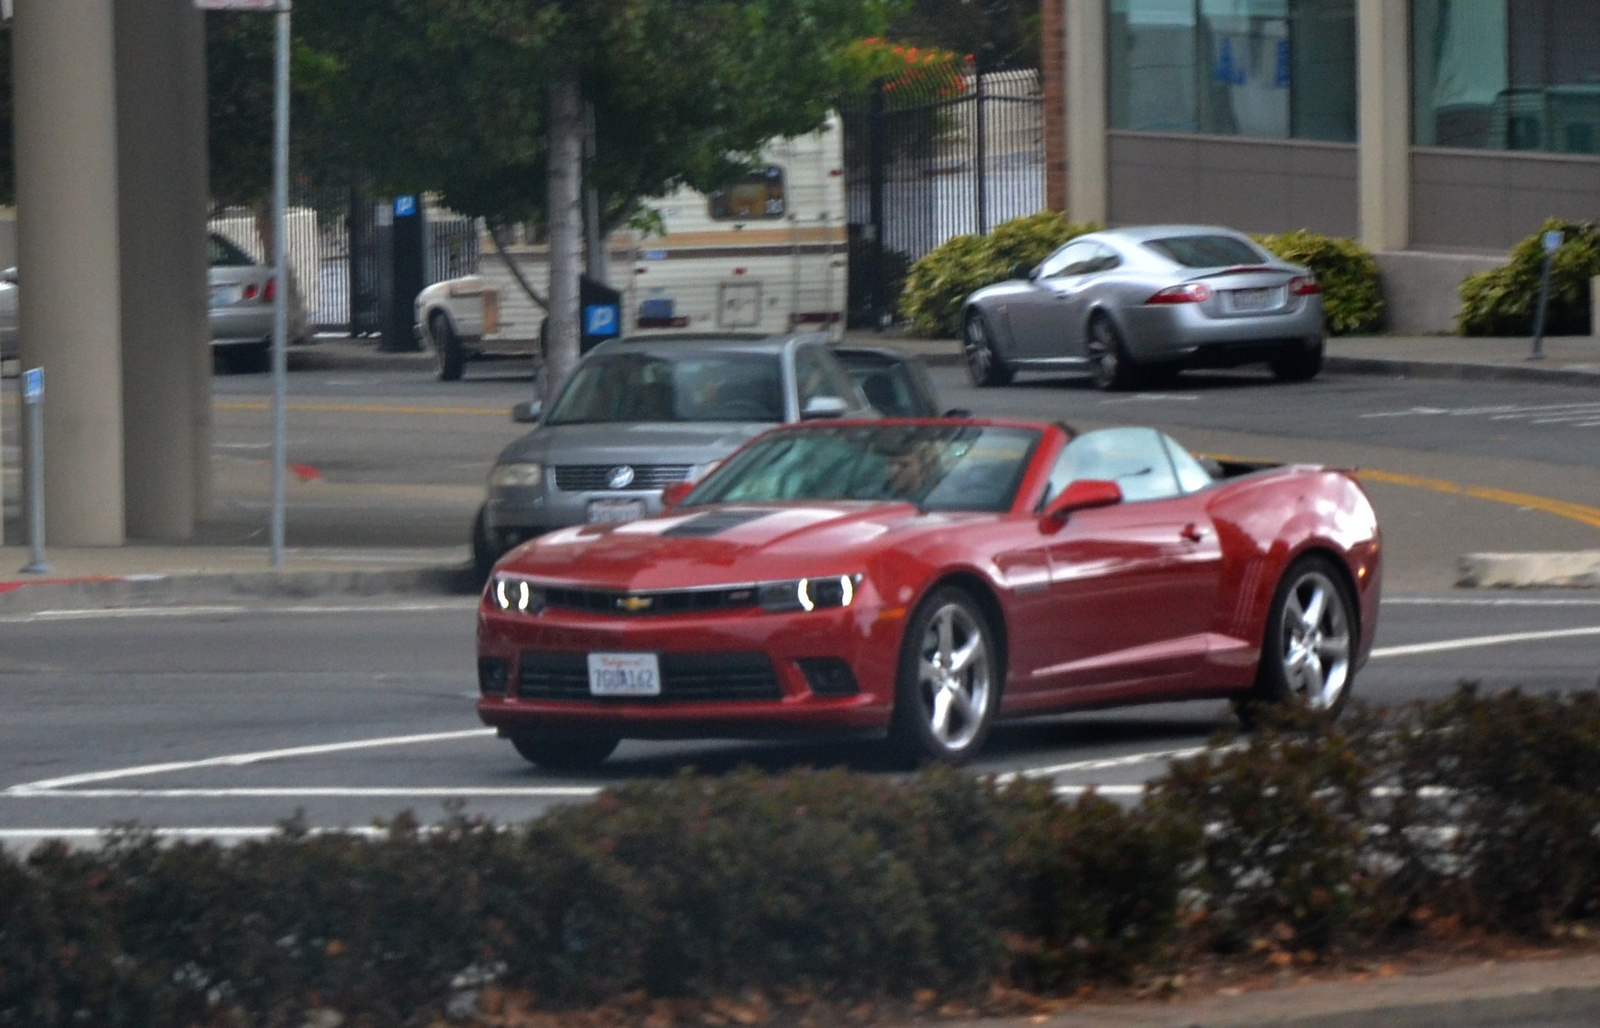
[
  {"x": 997, "y": 33},
  {"x": 1352, "y": 303}
]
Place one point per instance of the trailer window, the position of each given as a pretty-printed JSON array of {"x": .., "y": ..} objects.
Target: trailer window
[{"x": 758, "y": 195}]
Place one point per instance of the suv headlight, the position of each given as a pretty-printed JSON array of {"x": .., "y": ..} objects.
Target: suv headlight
[
  {"x": 519, "y": 474},
  {"x": 820, "y": 593}
]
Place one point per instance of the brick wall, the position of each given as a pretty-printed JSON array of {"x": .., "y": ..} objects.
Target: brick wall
[{"x": 1052, "y": 58}]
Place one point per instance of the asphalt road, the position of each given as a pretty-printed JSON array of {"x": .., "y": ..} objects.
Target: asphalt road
[{"x": 229, "y": 720}]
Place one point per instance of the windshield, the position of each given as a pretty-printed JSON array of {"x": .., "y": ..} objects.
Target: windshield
[
  {"x": 633, "y": 387},
  {"x": 1213, "y": 251},
  {"x": 937, "y": 467}
]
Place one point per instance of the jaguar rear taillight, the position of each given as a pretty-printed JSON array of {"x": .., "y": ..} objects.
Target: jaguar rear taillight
[
  {"x": 1304, "y": 285},
  {"x": 269, "y": 292},
  {"x": 1188, "y": 292}
]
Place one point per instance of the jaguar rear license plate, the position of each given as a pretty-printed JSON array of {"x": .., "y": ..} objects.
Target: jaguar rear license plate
[
  {"x": 1252, "y": 299},
  {"x": 606, "y": 511},
  {"x": 624, "y": 674}
]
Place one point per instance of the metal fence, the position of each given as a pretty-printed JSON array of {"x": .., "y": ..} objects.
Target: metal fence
[
  {"x": 931, "y": 160},
  {"x": 334, "y": 253}
]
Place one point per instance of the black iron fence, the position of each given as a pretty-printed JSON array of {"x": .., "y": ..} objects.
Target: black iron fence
[{"x": 925, "y": 162}]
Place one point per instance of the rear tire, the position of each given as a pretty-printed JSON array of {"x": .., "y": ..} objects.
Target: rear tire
[
  {"x": 948, "y": 685},
  {"x": 1114, "y": 370},
  {"x": 447, "y": 352},
  {"x": 984, "y": 366},
  {"x": 1308, "y": 651},
  {"x": 1298, "y": 365},
  {"x": 564, "y": 752},
  {"x": 484, "y": 550}
]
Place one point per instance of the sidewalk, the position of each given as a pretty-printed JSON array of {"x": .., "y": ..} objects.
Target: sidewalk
[{"x": 91, "y": 577}]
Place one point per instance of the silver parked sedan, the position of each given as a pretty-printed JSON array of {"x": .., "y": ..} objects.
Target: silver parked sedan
[
  {"x": 641, "y": 413},
  {"x": 1129, "y": 303}
]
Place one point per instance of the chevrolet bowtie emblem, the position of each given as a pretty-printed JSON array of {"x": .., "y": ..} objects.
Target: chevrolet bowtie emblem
[{"x": 634, "y": 604}]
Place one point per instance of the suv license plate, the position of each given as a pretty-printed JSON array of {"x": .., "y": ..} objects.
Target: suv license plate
[
  {"x": 624, "y": 674},
  {"x": 608, "y": 511}
]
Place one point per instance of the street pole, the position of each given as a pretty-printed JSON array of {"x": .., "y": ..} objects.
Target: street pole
[
  {"x": 33, "y": 425},
  {"x": 280, "y": 269},
  {"x": 1551, "y": 242}
]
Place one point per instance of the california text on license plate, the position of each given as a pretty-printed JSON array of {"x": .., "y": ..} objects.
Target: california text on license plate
[
  {"x": 624, "y": 674},
  {"x": 1252, "y": 299},
  {"x": 615, "y": 510}
]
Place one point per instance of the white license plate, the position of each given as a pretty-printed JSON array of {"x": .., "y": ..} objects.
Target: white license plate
[
  {"x": 607, "y": 511},
  {"x": 1252, "y": 299},
  {"x": 222, "y": 295},
  {"x": 624, "y": 674}
]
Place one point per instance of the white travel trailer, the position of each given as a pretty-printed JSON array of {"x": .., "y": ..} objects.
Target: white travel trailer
[{"x": 766, "y": 255}]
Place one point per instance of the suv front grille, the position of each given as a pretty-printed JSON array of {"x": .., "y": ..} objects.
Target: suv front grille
[
  {"x": 685, "y": 677},
  {"x": 584, "y": 478}
]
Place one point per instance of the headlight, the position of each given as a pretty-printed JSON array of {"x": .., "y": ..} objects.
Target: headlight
[
  {"x": 517, "y": 474},
  {"x": 819, "y": 593},
  {"x": 511, "y": 593}
]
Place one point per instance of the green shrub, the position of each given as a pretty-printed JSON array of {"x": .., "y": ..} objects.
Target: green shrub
[
  {"x": 1504, "y": 301},
  {"x": 942, "y": 278},
  {"x": 1352, "y": 303}
]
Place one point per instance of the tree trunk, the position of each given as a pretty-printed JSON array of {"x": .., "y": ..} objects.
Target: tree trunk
[{"x": 565, "y": 212}]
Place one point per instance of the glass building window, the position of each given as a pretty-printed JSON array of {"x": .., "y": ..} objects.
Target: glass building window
[
  {"x": 1275, "y": 69},
  {"x": 1507, "y": 74}
]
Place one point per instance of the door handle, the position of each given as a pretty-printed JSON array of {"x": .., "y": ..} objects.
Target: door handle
[{"x": 1193, "y": 533}]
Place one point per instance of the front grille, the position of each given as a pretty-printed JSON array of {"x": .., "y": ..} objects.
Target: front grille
[
  {"x": 584, "y": 478},
  {"x": 625, "y": 604},
  {"x": 685, "y": 678}
]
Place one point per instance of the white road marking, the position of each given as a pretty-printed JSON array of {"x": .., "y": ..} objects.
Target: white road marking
[
  {"x": 1481, "y": 640},
  {"x": 1492, "y": 601},
  {"x": 318, "y": 792},
  {"x": 211, "y": 610}
]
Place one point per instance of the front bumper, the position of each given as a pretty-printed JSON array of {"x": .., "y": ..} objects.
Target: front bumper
[{"x": 726, "y": 674}]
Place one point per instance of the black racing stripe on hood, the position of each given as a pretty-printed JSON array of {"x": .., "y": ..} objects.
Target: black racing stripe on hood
[{"x": 713, "y": 522}]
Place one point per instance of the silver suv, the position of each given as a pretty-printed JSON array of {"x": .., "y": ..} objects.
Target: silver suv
[{"x": 641, "y": 413}]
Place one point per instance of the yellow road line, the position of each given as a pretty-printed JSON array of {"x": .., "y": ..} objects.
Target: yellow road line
[
  {"x": 363, "y": 408},
  {"x": 1561, "y": 508}
]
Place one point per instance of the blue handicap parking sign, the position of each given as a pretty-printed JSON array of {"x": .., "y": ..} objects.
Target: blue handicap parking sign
[{"x": 600, "y": 319}]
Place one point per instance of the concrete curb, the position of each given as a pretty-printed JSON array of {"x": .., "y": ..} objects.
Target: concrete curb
[
  {"x": 1461, "y": 372},
  {"x": 1560, "y": 570},
  {"x": 157, "y": 589}
]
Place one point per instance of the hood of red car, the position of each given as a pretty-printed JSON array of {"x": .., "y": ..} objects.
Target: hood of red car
[{"x": 720, "y": 545}]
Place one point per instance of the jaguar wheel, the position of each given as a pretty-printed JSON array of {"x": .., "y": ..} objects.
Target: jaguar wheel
[
  {"x": 1298, "y": 365},
  {"x": 1108, "y": 355},
  {"x": 564, "y": 752},
  {"x": 1308, "y": 653},
  {"x": 447, "y": 350},
  {"x": 984, "y": 365},
  {"x": 948, "y": 685}
]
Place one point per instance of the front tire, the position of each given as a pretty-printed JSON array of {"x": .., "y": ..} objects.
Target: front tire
[
  {"x": 564, "y": 752},
  {"x": 1298, "y": 365},
  {"x": 948, "y": 685},
  {"x": 447, "y": 350},
  {"x": 1308, "y": 653},
  {"x": 984, "y": 365},
  {"x": 484, "y": 550},
  {"x": 1113, "y": 369}
]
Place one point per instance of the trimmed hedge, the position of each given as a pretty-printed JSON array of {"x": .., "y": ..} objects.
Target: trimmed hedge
[
  {"x": 941, "y": 280},
  {"x": 1352, "y": 303},
  {"x": 1300, "y": 842},
  {"x": 1504, "y": 301}
]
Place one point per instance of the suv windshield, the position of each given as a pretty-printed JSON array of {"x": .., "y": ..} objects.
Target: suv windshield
[
  {"x": 1207, "y": 251},
  {"x": 936, "y": 467},
  {"x": 632, "y": 387}
]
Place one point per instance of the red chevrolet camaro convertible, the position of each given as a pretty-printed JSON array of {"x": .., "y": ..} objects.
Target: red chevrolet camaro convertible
[{"x": 920, "y": 580}]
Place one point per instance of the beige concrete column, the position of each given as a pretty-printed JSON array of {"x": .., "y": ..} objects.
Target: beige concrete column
[
  {"x": 160, "y": 109},
  {"x": 64, "y": 96},
  {"x": 1383, "y": 92},
  {"x": 1088, "y": 188}
]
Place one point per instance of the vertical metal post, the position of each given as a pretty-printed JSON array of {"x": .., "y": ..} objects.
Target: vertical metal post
[
  {"x": 280, "y": 268},
  {"x": 1551, "y": 242},
  {"x": 981, "y": 156},
  {"x": 875, "y": 162},
  {"x": 33, "y": 427}
]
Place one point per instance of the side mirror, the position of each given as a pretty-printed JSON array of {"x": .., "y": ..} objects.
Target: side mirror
[
  {"x": 824, "y": 407},
  {"x": 1082, "y": 495},
  {"x": 1022, "y": 271},
  {"x": 673, "y": 494},
  {"x": 527, "y": 412},
  {"x": 957, "y": 412}
]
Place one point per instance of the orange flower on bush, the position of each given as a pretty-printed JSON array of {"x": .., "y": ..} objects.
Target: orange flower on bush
[{"x": 924, "y": 71}]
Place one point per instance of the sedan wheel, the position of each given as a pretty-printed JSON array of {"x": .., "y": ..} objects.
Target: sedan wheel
[
  {"x": 1298, "y": 365},
  {"x": 447, "y": 350},
  {"x": 984, "y": 365},
  {"x": 564, "y": 752},
  {"x": 949, "y": 681},
  {"x": 1113, "y": 368},
  {"x": 1307, "y": 656}
]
